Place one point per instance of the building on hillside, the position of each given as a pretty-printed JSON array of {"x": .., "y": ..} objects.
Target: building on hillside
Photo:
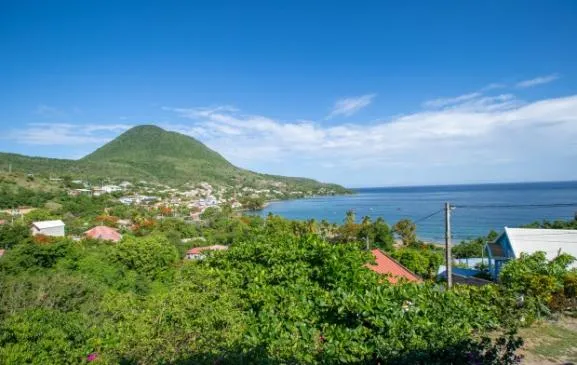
[
  {"x": 514, "y": 241},
  {"x": 103, "y": 233},
  {"x": 111, "y": 188},
  {"x": 395, "y": 272},
  {"x": 77, "y": 192},
  {"x": 126, "y": 200},
  {"x": 124, "y": 223},
  {"x": 48, "y": 228},
  {"x": 196, "y": 253},
  {"x": 2, "y": 252}
]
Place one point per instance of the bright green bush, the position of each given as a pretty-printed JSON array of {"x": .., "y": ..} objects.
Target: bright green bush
[{"x": 149, "y": 255}]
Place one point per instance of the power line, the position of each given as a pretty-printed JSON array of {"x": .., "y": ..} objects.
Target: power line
[{"x": 428, "y": 216}]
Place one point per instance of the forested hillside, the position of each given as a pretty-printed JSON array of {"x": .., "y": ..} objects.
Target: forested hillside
[{"x": 151, "y": 153}]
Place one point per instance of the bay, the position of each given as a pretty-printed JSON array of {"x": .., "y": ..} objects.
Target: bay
[{"x": 479, "y": 208}]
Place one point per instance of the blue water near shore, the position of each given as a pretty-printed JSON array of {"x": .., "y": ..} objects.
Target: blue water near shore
[{"x": 415, "y": 203}]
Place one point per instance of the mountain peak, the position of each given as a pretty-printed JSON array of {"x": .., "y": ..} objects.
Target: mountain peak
[
  {"x": 150, "y": 152},
  {"x": 145, "y": 128}
]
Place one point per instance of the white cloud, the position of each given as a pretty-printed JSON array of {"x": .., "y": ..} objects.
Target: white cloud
[
  {"x": 442, "y": 102},
  {"x": 537, "y": 81},
  {"x": 350, "y": 106},
  {"x": 65, "y": 134},
  {"x": 463, "y": 135},
  {"x": 472, "y": 137}
]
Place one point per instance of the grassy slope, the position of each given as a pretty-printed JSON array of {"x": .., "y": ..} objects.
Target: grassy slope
[
  {"x": 551, "y": 342},
  {"x": 149, "y": 152}
]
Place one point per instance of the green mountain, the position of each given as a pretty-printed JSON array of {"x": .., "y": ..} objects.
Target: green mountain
[{"x": 153, "y": 154}]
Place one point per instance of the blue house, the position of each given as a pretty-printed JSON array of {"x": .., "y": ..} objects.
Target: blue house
[{"x": 515, "y": 241}]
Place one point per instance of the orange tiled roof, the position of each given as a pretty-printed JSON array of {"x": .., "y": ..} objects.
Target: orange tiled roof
[
  {"x": 386, "y": 265},
  {"x": 104, "y": 233}
]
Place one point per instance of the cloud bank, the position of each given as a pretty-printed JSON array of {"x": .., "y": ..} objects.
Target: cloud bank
[{"x": 472, "y": 137}]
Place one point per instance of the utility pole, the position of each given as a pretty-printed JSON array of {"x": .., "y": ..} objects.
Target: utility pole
[
  {"x": 368, "y": 245},
  {"x": 448, "y": 258}
]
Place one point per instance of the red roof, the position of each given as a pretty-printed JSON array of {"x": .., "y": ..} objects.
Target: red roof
[
  {"x": 386, "y": 265},
  {"x": 103, "y": 233},
  {"x": 197, "y": 250}
]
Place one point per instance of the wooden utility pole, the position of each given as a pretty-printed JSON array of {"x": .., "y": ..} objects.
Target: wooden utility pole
[{"x": 448, "y": 258}]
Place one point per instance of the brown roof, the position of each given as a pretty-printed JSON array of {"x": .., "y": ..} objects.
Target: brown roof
[
  {"x": 197, "y": 250},
  {"x": 496, "y": 249},
  {"x": 386, "y": 265},
  {"x": 104, "y": 233}
]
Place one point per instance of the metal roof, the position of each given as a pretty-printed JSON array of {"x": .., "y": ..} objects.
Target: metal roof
[
  {"x": 551, "y": 241},
  {"x": 48, "y": 224},
  {"x": 394, "y": 270}
]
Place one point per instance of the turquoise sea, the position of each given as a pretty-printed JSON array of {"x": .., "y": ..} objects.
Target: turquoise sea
[{"x": 479, "y": 208}]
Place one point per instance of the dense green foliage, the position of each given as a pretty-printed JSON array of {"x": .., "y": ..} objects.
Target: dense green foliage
[
  {"x": 474, "y": 247},
  {"x": 558, "y": 224},
  {"x": 284, "y": 292},
  {"x": 153, "y": 154},
  {"x": 281, "y": 294},
  {"x": 549, "y": 284},
  {"x": 14, "y": 196},
  {"x": 423, "y": 261}
]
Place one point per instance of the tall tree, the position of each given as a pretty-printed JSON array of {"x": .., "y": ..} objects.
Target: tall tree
[{"x": 407, "y": 230}]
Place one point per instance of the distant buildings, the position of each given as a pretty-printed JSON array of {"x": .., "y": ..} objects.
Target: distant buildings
[
  {"x": 77, "y": 192},
  {"x": 138, "y": 199},
  {"x": 48, "y": 228},
  {"x": 111, "y": 188},
  {"x": 514, "y": 241}
]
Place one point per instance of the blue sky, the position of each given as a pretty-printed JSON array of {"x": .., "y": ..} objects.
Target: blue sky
[{"x": 360, "y": 93}]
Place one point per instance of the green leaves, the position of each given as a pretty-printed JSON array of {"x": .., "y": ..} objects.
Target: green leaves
[
  {"x": 279, "y": 294},
  {"x": 149, "y": 255}
]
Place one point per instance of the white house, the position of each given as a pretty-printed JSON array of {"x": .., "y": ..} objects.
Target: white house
[
  {"x": 111, "y": 188},
  {"x": 48, "y": 228},
  {"x": 514, "y": 241}
]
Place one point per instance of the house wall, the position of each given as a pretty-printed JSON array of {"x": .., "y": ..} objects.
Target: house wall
[
  {"x": 497, "y": 264},
  {"x": 52, "y": 231}
]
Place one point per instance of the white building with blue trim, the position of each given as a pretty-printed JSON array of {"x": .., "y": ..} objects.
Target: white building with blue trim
[{"x": 514, "y": 241}]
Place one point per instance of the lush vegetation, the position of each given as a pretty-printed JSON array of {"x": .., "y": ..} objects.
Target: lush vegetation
[
  {"x": 285, "y": 291},
  {"x": 153, "y": 154},
  {"x": 273, "y": 297}
]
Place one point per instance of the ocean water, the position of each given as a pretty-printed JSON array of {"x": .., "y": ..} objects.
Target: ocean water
[{"x": 479, "y": 208}]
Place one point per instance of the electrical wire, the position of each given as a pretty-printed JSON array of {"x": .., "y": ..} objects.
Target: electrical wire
[{"x": 428, "y": 216}]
